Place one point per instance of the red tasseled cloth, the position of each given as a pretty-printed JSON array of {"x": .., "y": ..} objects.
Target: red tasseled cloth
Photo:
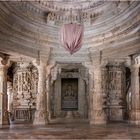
[{"x": 71, "y": 37}]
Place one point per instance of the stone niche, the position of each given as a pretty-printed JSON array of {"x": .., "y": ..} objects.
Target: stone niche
[{"x": 69, "y": 92}]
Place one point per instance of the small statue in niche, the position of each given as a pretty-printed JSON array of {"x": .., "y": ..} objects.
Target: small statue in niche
[{"x": 69, "y": 92}]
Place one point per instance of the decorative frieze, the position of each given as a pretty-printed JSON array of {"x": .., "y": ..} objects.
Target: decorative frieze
[{"x": 77, "y": 17}]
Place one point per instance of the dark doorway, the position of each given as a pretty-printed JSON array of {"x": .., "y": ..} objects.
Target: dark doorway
[{"x": 69, "y": 94}]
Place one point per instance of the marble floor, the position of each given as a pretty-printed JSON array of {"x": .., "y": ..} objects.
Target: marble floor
[{"x": 111, "y": 131}]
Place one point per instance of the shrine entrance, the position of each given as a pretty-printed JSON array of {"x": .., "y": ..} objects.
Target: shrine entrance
[
  {"x": 69, "y": 94},
  {"x": 69, "y": 97}
]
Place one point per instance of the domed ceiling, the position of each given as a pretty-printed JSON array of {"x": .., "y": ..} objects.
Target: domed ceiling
[{"x": 29, "y": 27}]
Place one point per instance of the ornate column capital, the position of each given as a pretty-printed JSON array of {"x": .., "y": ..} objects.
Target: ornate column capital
[
  {"x": 49, "y": 67},
  {"x": 37, "y": 63},
  {"x": 89, "y": 66},
  {"x": 135, "y": 64},
  {"x": 135, "y": 61},
  {"x": 104, "y": 62},
  {"x": 4, "y": 62},
  {"x": 43, "y": 58}
]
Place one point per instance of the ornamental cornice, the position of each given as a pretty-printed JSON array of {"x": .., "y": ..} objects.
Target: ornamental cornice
[
  {"x": 67, "y": 5},
  {"x": 135, "y": 60}
]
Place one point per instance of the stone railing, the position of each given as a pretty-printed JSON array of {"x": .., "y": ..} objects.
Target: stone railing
[{"x": 23, "y": 114}]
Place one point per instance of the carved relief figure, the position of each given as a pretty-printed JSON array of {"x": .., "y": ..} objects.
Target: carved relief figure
[{"x": 69, "y": 94}]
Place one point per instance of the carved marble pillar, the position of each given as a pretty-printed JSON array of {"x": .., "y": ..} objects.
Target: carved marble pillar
[
  {"x": 90, "y": 95},
  {"x": 48, "y": 89},
  {"x": 10, "y": 96},
  {"x": 104, "y": 74},
  {"x": 98, "y": 115},
  {"x": 41, "y": 103},
  {"x": 3, "y": 93},
  {"x": 135, "y": 91},
  {"x": 116, "y": 91}
]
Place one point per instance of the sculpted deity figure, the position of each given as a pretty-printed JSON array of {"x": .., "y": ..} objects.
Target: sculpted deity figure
[{"x": 69, "y": 92}]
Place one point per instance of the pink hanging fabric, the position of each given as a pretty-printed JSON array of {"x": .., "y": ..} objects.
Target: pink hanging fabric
[{"x": 71, "y": 37}]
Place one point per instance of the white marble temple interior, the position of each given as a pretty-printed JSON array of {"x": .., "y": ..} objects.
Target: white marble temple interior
[{"x": 41, "y": 83}]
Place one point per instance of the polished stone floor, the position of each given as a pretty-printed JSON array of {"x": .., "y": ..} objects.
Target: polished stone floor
[{"x": 111, "y": 131}]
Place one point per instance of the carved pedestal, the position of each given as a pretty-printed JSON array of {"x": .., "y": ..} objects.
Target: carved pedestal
[{"x": 135, "y": 117}]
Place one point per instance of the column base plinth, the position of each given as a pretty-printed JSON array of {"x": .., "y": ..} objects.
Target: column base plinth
[
  {"x": 97, "y": 122},
  {"x": 99, "y": 117},
  {"x": 38, "y": 122},
  {"x": 40, "y": 118},
  {"x": 135, "y": 117}
]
